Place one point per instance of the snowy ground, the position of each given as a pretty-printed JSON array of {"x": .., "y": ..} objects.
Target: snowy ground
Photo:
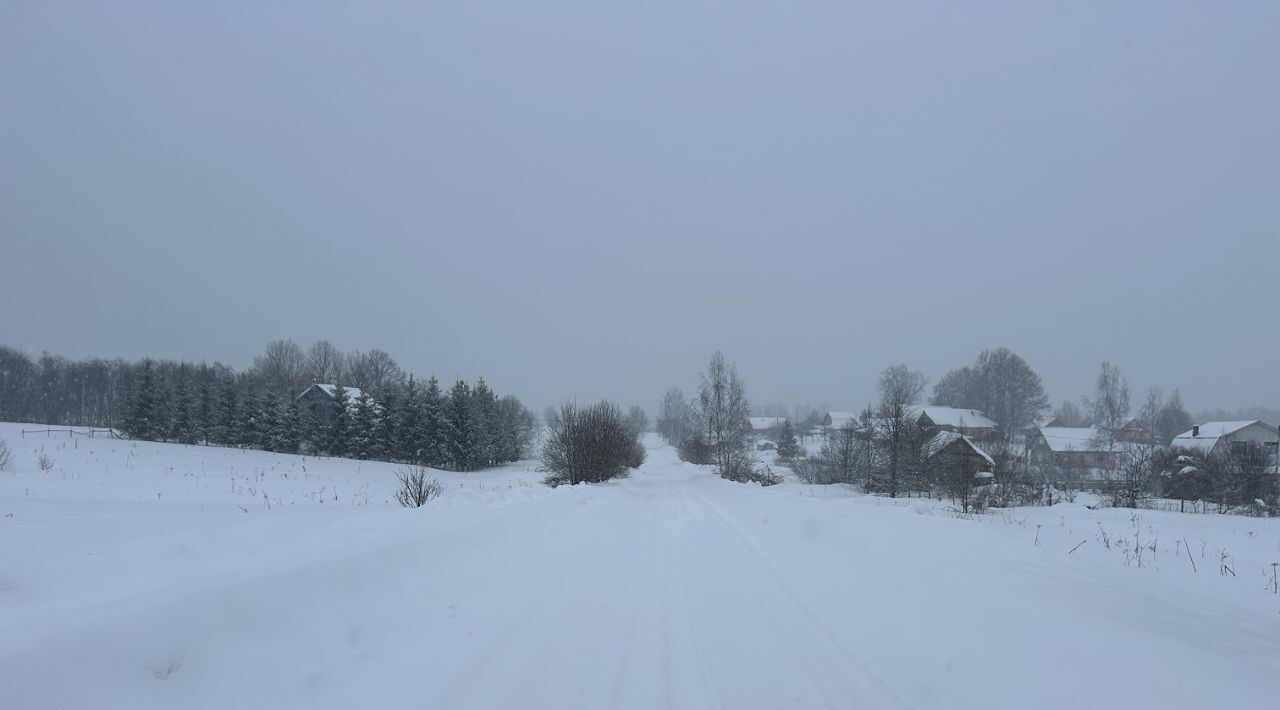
[{"x": 136, "y": 575}]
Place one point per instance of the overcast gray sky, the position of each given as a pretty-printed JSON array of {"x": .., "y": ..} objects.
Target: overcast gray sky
[{"x": 588, "y": 198}]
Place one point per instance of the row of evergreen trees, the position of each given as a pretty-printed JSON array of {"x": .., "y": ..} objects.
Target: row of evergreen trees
[{"x": 464, "y": 429}]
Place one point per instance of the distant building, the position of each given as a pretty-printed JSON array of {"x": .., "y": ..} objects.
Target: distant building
[
  {"x": 1049, "y": 422},
  {"x": 1074, "y": 453},
  {"x": 969, "y": 422},
  {"x": 1137, "y": 431},
  {"x": 956, "y": 452},
  {"x": 765, "y": 426},
  {"x": 836, "y": 420},
  {"x": 1214, "y": 438},
  {"x": 319, "y": 398}
]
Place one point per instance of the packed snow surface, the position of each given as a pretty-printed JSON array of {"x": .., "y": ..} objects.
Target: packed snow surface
[{"x": 139, "y": 575}]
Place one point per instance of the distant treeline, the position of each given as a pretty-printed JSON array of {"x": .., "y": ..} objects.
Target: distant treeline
[{"x": 398, "y": 418}]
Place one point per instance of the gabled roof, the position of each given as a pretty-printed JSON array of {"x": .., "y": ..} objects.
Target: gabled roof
[
  {"x": 944, "y": 439},
  {"x": 353, "y": 393},
  {"x": 956, "y": 417},
  {"x": 1062, "y": 438},
  {"x": 1213, "y": 430},
  {"x": 763, "y": 423},
  {"x": 1210, "y": 432}
]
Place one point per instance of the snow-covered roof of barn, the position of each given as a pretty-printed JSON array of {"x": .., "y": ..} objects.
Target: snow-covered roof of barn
[
  {"x": 1064, "y": 438},
  {"x": 943, "y": 439},
  {"x": 353, "y": 393},
  {"x": 957, "y": 417}
]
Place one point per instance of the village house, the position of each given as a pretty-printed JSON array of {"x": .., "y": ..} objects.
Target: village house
[
  {"x": 1216, "y": 438},
  {"x": 969, "y": 422},
  {"x": 318, "y": 400},
  {"x": 831, "y": 421},
  {"x": 959, "y": 457},
  {"x": 1073, "y": 453},
  {"x": 765, "y": 427}
]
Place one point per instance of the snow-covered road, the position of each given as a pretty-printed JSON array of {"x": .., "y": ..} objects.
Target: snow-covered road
[{"x": 670, "y": 589}]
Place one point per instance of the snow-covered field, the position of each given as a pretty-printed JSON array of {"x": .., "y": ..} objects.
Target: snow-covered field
[{"x": 138, "y": 575}]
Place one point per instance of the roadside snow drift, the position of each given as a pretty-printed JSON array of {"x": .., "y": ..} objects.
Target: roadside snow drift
[{"x": 138, "y": 575}]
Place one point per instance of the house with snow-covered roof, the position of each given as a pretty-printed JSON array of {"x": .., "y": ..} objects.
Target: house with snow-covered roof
[
  {"x": 1074, "y": 453},
  {"x": 327, "y": 393},
  {"x": 318, "y": 400},
  {"x": 833, "y": 422},
  {"x": 958, "y": 455},
  {"x": 1215, "y": 438},
  {"x": 765, "y": 425},
  {"x": 969, "y": 422},
  {"x": 836, "y": 420}
]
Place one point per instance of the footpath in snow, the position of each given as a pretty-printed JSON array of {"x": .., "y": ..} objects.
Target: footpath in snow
[{"x": 138, "y": 575}]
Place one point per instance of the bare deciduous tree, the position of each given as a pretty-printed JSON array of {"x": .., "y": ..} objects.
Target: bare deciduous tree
[
  {"x": 1110, "y": 403},
  {"x": 1172, "y": 419},
  {"x": 325, "y": 363},
  {"x": 1069, "y": 415},
  {"x": 837, "y": 461},
  {"x": 722, "y": 412},
  {"x": 675, "y": 420},
  {"x": 900, "y": 389},
  {"x": 637, "y": 419},
  {"x": 281, "y": 366},
  {"x": 373, "y": 371},
  {"x": 1000, "y": 384}
]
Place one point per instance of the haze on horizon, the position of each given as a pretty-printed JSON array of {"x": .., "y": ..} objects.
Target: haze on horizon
[{"x": 584, "y": 199}]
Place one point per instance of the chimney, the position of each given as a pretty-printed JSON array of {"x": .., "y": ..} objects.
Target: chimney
[{"x": 1195, "y": 430}]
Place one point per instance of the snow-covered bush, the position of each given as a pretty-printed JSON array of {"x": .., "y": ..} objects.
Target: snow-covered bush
[
  {"x": 5, "y": 456},
  {"x": 415, "y": 488},
  {"x": 742, "y": 467},
  {"x": 694, "y": 449},
  {"x": 44, "y": 462},
  {"x": 590, "y": 445}
]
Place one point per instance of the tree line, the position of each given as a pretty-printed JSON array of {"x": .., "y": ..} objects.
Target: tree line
[{"x": 395, "y": 418}]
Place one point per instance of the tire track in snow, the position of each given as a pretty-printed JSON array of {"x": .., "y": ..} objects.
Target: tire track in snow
[
  {"x": 768, "y": 571},
  {"x": 709, "y": 681}
]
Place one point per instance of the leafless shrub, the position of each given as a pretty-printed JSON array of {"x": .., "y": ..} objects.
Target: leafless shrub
[
  {"x": 590, "y": 445},
  {"x": 415, "y": 488},
  {"x": 45, "y": 462},
  {"x": 741, "y": 467},
  {"x": 5, "y": 457}
]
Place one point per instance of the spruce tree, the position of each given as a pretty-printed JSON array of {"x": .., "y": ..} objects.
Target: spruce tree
[
  {"x": 363, "y": 423},
  {"x": 338, "y": 441},
  {"x": 408, "y": 425},
  {"x": 255, "y": 425},
  {"x": 204, "y": 407},
  {"x": 226, "y": 415},
  {"x": 311, "y": 435},
  {"x": 383, "y": 440},
  {"x": 282, "y": 433},
  {"x": 457, "y": 427},
  {"x": 141, "y": 421},
  {"x": 432, "y": 429},
  {"x": 182, "y": 429},
  {"x": 788, "y": 447},
  {"x": 483, "y": 418}
]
